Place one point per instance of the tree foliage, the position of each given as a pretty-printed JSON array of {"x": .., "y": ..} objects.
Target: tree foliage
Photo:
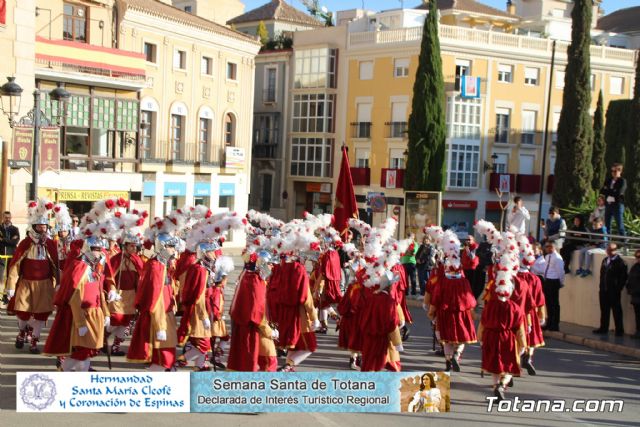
[{"x": 599, "y": 167}]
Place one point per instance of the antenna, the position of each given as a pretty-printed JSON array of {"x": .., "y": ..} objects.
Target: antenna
[{"x": 401, "y": 4}]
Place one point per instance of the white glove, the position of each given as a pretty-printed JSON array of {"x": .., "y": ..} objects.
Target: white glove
[
  {"x": 11, "y": 293},
  {"x": 275, "y": 334},
  {"x": 207, "y": 323},
  {"x": 315, "y": 325},
  {"x": 399, "y": 348},
  {"x": 224, "y": 317},
  {"x": 529, "y": 329},
  {"x": 161, "y": 335},
  {"x": 82, "y": 331},
  {"x": 425, "y": 307},
  {"x": 543, "y": 321},
  {"x": 113, "y": 296},
  {"x": 401, "y": 325},
  {"x": 107, "y": 322},
  {"x": 57, "y": 288},
  {"x": 611, "y": 199}
]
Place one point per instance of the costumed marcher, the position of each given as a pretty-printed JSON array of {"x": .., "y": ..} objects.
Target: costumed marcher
[
  {"x": 331, "y": 275},
  {"x": 126, "y": 267},
  {"x": 350, "y": 306},
  {"x": 452, "y": 304},
  {"x": 77, "y": 333},
  {"x": 429, "y": 397},
  {"x": 33, "y": 275},
  {"x": 502, "y": 327},
  {"x": 63, "y": 228},
  {"x": 437, "y": 274},
  {"x": 154, "y": 337}
]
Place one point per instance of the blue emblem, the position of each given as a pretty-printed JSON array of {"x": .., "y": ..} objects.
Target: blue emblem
[{"x": 38, "y": 392}]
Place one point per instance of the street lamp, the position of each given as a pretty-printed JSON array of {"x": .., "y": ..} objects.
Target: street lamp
[
  {"x": 11, "y": 94},
  {"x": 491, "y": 167}
]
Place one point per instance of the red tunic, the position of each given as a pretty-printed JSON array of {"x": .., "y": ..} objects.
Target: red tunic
[
  {"x": 247, "y": 312},
  {"x": 379, "y": 319},
  {"x": 195, "y": 284},
  {"x": 398, "y": 292},
  {"x": 332, "y": 273},
  {"x": 453, "y": 301},
  {"x": 291, "y": 294},
  {"x": 350, "y": 309},
  {"x": 535, "y": 338},
  {"x": 272, "y": 293},
  {"x": 501, "y": 321}
]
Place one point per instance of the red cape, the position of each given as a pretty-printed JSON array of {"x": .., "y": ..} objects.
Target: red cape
[{"x": 194, "y": 286}]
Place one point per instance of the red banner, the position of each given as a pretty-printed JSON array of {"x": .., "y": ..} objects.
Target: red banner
[
  {"x": 50, "y": 149},
  {"x": 22, "y": 146},
  {"x": 346, "y": 206}
]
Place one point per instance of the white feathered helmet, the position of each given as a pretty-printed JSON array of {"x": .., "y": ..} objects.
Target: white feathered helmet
[
  {"x": 63, "y": 219},
  {"x": 38, "y": 211}
]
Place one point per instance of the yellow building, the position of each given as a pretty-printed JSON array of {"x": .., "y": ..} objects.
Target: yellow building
[
  {"x": 160, "y": 110},
  {"x": 498, "y": 133}
]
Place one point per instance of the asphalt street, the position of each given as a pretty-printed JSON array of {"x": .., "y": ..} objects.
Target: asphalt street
[{"x": 565, "y": 371}]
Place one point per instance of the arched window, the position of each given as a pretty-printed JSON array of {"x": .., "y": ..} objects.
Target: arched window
[
  {"x": 205, "y": 121},
  {"x": 229, "y": 130}
]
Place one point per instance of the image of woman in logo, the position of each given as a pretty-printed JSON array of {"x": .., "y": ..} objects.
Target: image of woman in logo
[{"x": 428, "y": 398}]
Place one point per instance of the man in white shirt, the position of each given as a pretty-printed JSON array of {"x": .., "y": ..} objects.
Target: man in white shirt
[
  {"x": 518, "y": 216},
  {"x": 553, "y": 281}
]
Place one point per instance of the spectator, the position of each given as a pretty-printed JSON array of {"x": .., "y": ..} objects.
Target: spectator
[
  {"x": 9, "y": 238},
  {"x": 553, "y": 280},
  {"x": 345, "y": 261},
  {"x": 613, "y": 277},
  {"x": 425, "y": 261},
  {"x": 598, "y": 212},
  {"x": 75, "y": 228},
  {"x": 587, "y": 251},
  {"x": 573, "y": 244},
  {"x": 540, "y": 264},
  {"x": 471, "y": 263},
  {"x": 613, "y": 192},
  {"x": 518, "y": 216},
  {"x": 408, "y": 261},
  {"x": 555, "y": 228},
  {"x": 633, "y": 287}
]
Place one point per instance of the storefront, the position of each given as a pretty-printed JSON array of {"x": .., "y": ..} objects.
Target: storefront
[
  {"x": 313, "y": 197},
  {"x": 459, "y": 216}
]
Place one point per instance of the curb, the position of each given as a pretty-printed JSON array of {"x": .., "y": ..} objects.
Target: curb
[{"x": 595, "y": 344}]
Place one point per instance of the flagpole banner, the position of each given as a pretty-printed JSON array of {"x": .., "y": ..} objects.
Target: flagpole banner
[
  {"x": 320, "y": 392},
  {"x": 102, "y": 392}
]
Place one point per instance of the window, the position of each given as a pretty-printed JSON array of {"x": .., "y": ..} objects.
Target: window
[
  {"x": 150, "y": 51},
  {"x": 74, "y": 23},
  {"x": 204, "y": 136},
  {"x": 366, "y": 70},
  {"x": 206, "y": 66},
  {"x": 531, "y": 76},
  {"x": 503, "y": 123},
  {"x": 401, "y": 67},
  {"x": 187, "y": 9},
  {"x": 463, "y": 68},
  {"x": 501, "y": 164},
  {"x": 270, "y": 79},
  {"x": 527, "y": 162},
  {"x": 398, "y": 125},
  {"x": 505, "y": 73},
  {"x": 396, "y": 158},
  {"x": 556, "y": 120},
  {"x": 265, "y": 129},
  {"x": 180, "y": 59},
  {"x": 311, "y": 157},
  {"x": 177, "y": 133},
  {"x": 528, "y": 127},
  {"x": 463, "y": 117},
  {"x": 463, "y": 167},
  {"x": 362, "y": 129},
  {"x": 232, "y": 70},
  {"x": 313, "y": 113},
  {"x": 315, "y": 68},
  {"x": 146, "y": 134},
  {"x": 557, "y": 13},
  {"x": 560, "y": 79},
  {"x": 362, "y": 157},
  {"x": 265, "y": 196},
  {"x": 616, "y": 85},
  {"x": 229, "y": 130}
]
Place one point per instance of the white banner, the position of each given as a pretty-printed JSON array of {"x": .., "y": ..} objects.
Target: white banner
[
  {"x": 392, "y": 178},
  {"x": 103, "y": 392},
  {"x": 505, "y": 183}
]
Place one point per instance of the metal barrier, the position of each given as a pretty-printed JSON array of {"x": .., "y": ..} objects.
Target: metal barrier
[{"x": 626, "y": 244}]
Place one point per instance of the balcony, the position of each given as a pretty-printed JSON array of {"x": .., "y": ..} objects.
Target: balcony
[
  {"x": 513, "y": 136},
  {"x": 269, "y": 96},
  {"x": 494, "y": 181},
  {"x": 361, "y": 176},
  {"x": 264, "y": 151},
  {"x": 392, "y": 178},
  {"x": 528, "y": 184},
  {"x": 63, "y": 55},
  {"x": 361, "y": 130},
  {"x": 397, "y": 129}
]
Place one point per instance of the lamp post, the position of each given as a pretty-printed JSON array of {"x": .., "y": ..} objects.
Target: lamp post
[{"x": 11, "y": 93}]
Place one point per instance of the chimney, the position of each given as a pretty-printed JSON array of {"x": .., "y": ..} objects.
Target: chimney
[{"x": 511, "y": 8}]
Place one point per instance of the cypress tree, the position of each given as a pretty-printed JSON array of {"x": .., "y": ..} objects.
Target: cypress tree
[
  {"x": 599, "y": 167},
  {"x": 617, "y": 131},
  {"x": 262, "y": 32},
  {"x": 632, "y": 171},
  {"x": 425, "y": 169},
  {"x": 573, "y": 170}
]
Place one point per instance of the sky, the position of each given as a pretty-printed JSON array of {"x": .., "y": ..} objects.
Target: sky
[{"x": 334, "y": 5}]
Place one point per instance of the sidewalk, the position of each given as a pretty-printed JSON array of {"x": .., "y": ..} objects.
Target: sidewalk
[{"x": 582, "y": 335}]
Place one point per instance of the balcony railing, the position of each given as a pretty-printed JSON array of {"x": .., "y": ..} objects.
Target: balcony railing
[
  {"x": 392, "y": 178},
  {"x": 162, "y": 151},
  {"x": 528, "y": 184},
  {"x": 513, "y": 136},
  {"x": 361, "y": 176},
  {"x": 269, "y": 96},
  {"x": 264, "y": 151},
  {"x": 454, "y": 35},
  {"x": 266, "y": 136},
  {"x": 397, "y": 129},
  {"x": 361, "y": 130},
  {"x": 494, "y": 181}
]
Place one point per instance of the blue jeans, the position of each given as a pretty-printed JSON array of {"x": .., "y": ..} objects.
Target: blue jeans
[
  {"x": 423, "y": 276},
  {"x": 614, "y": 211}
]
